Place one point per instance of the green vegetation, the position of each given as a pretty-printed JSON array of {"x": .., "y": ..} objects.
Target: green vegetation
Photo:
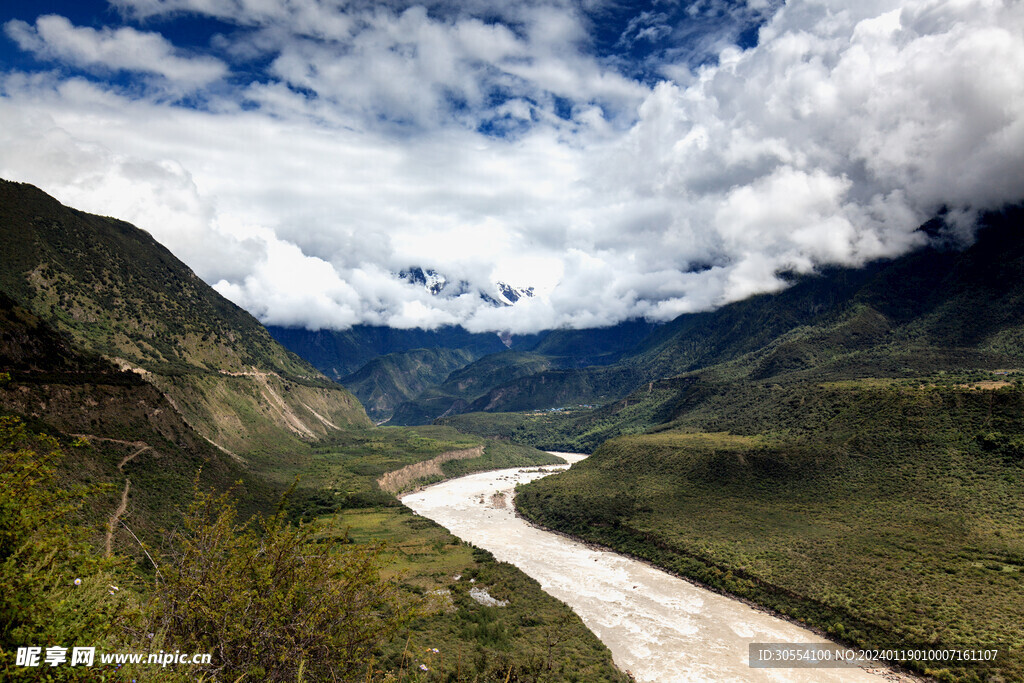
[
  {"x": 265, "y": 599},
  {"x": 534, "y": 636},
  {"x": 271, "y": 600},
  {"x": 115, "y": 292},
  {"x": 43, "y": 551},
  {"x": 389, "y": 380},
  {"x": 575, "y": 429},
  {"x": 469, "y": 384},
  {"x": 268, "y": 599},
  {"x": 882, "y": 513}
]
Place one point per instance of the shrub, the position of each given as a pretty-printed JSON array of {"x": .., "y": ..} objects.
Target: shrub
[
  {"x": 270, "y": 600},
  {"x": 43, "y": 550}
]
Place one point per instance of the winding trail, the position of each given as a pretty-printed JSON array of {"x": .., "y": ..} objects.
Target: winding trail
[
  {"x": 140, "y": 447},
  {"x": 659, "y": 627},
  {"x": 93, "y": 437},
  {"x": 116, "y": 517},
  {"x": 131, "y": 456}
]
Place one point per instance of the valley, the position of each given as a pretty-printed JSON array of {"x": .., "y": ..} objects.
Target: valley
[
  {"x": 143, "y": 416},
  {"x": 304, "y": 303},
  {"x": 847, "y": 452},
  {"x": 659, "y": 627}
]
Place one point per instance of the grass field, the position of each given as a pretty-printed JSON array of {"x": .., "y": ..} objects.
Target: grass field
[{"x": 534, "y": 637}]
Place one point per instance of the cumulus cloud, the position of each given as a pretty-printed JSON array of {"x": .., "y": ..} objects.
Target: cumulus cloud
[
  {"x": 54, "y": 37},
  {"x": 159, "y": 196},
  {"x": 838, "y": 134},
  {"x": 410, "y": 68},
  {"x": 498, "y": 146}
]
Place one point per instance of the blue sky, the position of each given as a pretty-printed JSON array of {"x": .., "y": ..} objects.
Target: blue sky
[{"x": 624, "y": 159}]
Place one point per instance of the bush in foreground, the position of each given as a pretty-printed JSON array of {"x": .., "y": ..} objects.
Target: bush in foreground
[{"x": 269, "y": 600}]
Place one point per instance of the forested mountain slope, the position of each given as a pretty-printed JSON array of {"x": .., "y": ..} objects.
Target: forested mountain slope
[
  {"x": 118, "y": 293},
  {"x": 394, "y": 378},
  {"x": 340, "y": 353},
  {"x": 122, "y": 427}
]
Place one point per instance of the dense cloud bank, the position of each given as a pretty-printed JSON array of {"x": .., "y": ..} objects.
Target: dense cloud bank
[{"x": 302, "y": 159}]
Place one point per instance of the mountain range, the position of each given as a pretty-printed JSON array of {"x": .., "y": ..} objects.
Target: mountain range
[
  {"x": 848, "y": 452},
  {"x": 935, "y": 308},
  {"x": 105, "y": 334},
  {"x": 936, "y": 311},
  {"x": 133, "y": 398},
  {"x": 364, "y": 358}
]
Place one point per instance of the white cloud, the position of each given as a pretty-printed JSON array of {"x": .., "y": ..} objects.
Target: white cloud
[
  {"x": 410, "y": 68},
  {"x": 301, "y": 195},
  {"x": 838, "y": 135},
  {"x": 54, "y": 37},
  {"x": 159, "y": 196}
]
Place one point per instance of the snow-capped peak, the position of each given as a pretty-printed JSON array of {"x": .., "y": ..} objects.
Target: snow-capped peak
[
  {"x": 502, "y": 294},
  {"x": 508, "y": 295}
]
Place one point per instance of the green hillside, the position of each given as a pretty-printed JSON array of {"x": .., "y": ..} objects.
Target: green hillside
[
  {"x": 118, "y": 293},
  {"x": 394, "y": 378},
  {"x": 460, "y": 388},
  {"x": 849, "y": 452},
  {"x": 886, "y": 514},
  {"x": 517, "y": 380},
  {"x": 103, "y": 281},
  {"x": 122, "y": 428}
]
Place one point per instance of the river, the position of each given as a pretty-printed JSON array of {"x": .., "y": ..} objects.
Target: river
[{"x": 660, "y": 628}]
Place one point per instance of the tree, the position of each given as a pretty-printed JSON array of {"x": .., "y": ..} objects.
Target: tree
[{"x": 272, "y": 600}]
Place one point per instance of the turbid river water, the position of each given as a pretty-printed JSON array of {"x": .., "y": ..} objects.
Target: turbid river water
[{"x": 658, "y": 627}]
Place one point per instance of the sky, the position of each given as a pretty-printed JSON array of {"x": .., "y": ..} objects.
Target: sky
[{"x": 624, "y": 159}]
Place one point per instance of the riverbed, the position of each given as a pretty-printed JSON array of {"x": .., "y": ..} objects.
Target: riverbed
[{"x": 660, "y": 628}]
